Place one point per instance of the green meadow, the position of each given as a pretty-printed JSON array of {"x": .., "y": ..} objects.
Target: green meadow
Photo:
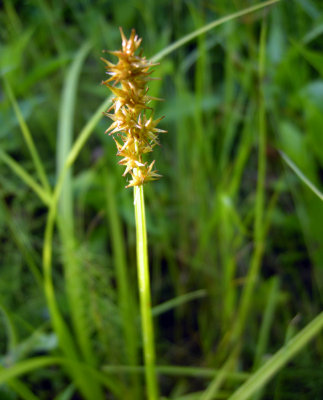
[{"x": 234, "y": 226}]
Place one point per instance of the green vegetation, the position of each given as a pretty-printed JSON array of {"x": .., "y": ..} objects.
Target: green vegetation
[{"x": 235, "y": 225}]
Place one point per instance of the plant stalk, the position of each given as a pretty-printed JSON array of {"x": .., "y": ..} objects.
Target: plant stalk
[{"x": 144, "y": 293}]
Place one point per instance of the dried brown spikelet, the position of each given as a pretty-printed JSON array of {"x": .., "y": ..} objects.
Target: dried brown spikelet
[{"x": 137, "y": 132}]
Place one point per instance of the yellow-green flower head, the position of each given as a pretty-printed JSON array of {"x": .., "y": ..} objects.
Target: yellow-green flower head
[{"x": 137, "y": 133}]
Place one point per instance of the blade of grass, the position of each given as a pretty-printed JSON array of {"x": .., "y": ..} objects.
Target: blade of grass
[
  {"x": 285, "y": 354},
  {"x": 39, "y": 167},
  {"x": 65, "y": 132},
  {"x": 267, "y": 321},
  {"x": 259, "y": 205},
  {"x": 244, "y": 150},
  {"x": 169, "y": 49},
  {"x": 302, "y": 177},
  {"x": 177, "y": 370},
  {"x": 20, "y": 388},
  {"x": 35, "y": 363},
  {"x": 86, "y": 132},
  {"x": 66, "y": 394},
  {"x": 265, "y": 327},
  {"x": 291, "y": 331},
  {"x": 213, "y": 389},
  {"x": 10, "y": 328},
  {"x": 177, "y": 301},
  {"x": 233, "y": 119},
  {"x": 26, "y": 177},
  {"x": 73, "y": 275}
]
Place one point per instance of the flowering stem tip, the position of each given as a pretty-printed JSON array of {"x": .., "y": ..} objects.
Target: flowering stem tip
[{"x": 137, "y": 133}]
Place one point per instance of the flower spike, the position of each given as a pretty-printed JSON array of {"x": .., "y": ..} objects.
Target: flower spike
[{"x": 137, "y": 131}]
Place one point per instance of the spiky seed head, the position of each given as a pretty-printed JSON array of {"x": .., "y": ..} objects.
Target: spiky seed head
[{"x": 138, "y": 132}]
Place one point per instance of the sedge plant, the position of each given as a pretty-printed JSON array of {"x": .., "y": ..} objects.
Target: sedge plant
[
  {"x": 137, "y": 134},
  {"x": 76, "y": 363}
]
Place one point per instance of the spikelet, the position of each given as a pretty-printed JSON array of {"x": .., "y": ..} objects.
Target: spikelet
[{"x": 137, "y": 134}]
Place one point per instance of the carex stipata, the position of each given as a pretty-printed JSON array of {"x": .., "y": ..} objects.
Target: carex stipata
[{"x": 134, "y": 126}]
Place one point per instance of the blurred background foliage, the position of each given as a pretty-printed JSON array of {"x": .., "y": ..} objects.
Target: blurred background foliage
[{"x": 201, "y": 216}]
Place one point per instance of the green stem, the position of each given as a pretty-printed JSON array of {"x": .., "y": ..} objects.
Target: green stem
[
  {"x": 144, "y": 291},
  {"x": 126, "y": 302}
]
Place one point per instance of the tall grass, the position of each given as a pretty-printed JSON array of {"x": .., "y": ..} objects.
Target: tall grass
[{"x": 234, "y": 226}]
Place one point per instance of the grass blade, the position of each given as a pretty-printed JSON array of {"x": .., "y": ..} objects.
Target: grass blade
[
  {"x": 177, "y": 370},
  {"x": 20, "y": 388},
  {"x": 73, "y": 275},
  {"x": 169, "y": 49},
  {"x": 24, "y": 176},
  {"x": 35, "y": 363},
  {"x": 177, "y": 301},
  {"x": 86, "y": 132},
  {"x": 300, "y": 174},
  {"x": 39, "y": 167},
  {"x": 259, "y": 205},
  {"x": 285, "y": 354},
  {"x": 213, "y": 389},
  {"x": 65, "y": 130}
]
